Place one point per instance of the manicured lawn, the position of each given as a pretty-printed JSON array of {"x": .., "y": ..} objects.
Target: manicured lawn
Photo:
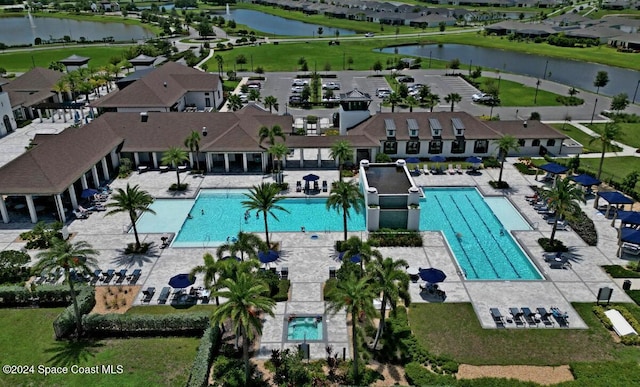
[
  {"x": 23, "y": 61},
  {"x": 616, "y": 167},
  {"x": 453, "y": 330},
  {"x": 628, "y": 133},
  {"x": 580, "y": 136},
  {"x": 27, "y": 339},
  {"x": 517, "y": 94}
]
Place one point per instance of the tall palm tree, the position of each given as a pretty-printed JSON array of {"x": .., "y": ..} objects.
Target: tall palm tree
[
  {"x": 412, "y": 102},
  {"x": 235, "y": 103},
  {"x": 452, "y": 98},
  {"x": 357, "y": 247},
  {"x": 610, "y": 133},
  {"x": 432, "y": 101},
  {"x": 175, "y": 156},
  {"x": 505, "y": 144},
  {"x": 356, "y": 296},
  {"x": 78, "y": 256},
  {"x": 131, "y": 200},
  {"x": 264, "y": 198},
  {"x": 278, "y": 151},
  {"x": 220, "y": 61},
  {"x": 392, "y": 280},
  {"x": 246, "y": 243},
  {"x": 394, "y": 99},
  {"x": 564, "y": 198},
  {"x": 210, "y": 269},
  {"x": 344, "y": 196},
  {"x": 60, "y": 87},
  {"x": 244, "y": 305},
  {"x": 341, "y": 151},
  {"x": 271, "y": 133},
  {"x": 271, "y": 102},
  {"x": 193, "y": 143}
]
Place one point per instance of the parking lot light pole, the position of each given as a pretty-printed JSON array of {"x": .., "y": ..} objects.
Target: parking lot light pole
[
  {"x": 594, "y": 110},
  {"x": 535, "y": 98},
  {"x": 635, "y": 92}
]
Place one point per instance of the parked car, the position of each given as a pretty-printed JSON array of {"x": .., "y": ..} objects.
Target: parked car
[
  {"x": 331, "y": 86},
  {"x": 369, "y": 35},
  {"x": 382, "y": 92},
  {"x": 333, "y": 98},
  {"x": 254, "y": 85},
  {"x": 300, "y": 82},
  {"x": 296, "y": 99},
  {"x": 297, "y": 89},
  {"x": 406, "y": 79},
  {"x": 483, "y": 98}
]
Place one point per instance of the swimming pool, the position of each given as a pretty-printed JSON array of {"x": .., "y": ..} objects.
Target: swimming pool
[
  {"x": 481, "y": 243},
  {"x": 218, "y": 214}
]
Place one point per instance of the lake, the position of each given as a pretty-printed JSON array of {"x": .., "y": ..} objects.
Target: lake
[
  {"x": 569, "y": 72},
  {"x": 277, "y": 25},
  {"x": 18, "y": 30}
]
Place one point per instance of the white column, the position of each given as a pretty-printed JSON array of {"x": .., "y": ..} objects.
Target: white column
[
  {"x": 3, "y": 211},
  {"x": 244, "y": 162},
  {"x": 154, "y": 156},
  {"x": 114, "y": 159},
  {"x": 105, "y": 168},
  {"x": 264, "y": 162},
  {"x": 226, "y": 162},
  {"x": 40, "y": 115},
  {"x": 319, "y": 158},
  {"x": 60, "y": 207},
  {"x": 32, "y": 209},
  {"x": 191, "y": 159},
  {"x": 301, "y": 157},
  {"x": 83, "y": 181},
  {"x": 207, "y": 158},
  {"x": 94, "y": 173},
  {"x": 284, "y": 161},
  {"x": 73, "y": 197},
  {"x": 374, "y": 153},
  {"x": 53, "y": 115}
]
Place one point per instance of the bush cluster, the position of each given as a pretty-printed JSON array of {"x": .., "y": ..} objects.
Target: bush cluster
[
  {"x": 552, "y": 247},
  {"x": 524, "y": 169},
  {"x": 41, "y": 235},
  {"x": 391, "y": 237},
  {"x": 44, "y": 295},
  {"x": 584, "y": 227},
  {"x": 499, "y": 184},
  {"x": 122, "y": 325},
  {"x": 626, "y": 340},
  {"x": 65, "y": 323},
  {"x": 617, "y": 271},
  {"x": 207, "y": 349}
]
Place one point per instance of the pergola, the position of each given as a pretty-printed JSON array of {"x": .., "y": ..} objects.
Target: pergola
[
  {"x": 629, "y": 235},
  {"x": 612, "y": 198},
  {"x": 553, "y": 168},
  {"x": 627, "y": 217}
]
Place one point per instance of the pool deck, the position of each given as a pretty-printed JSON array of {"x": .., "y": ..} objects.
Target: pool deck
[{"x": 309, "y": 260}]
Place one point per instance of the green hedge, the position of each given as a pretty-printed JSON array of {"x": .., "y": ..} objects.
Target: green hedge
[
  {"x": 329, "y": 287},
  {"x": 388, "y": 237},
  {"x": 65, "y": 323},
  {"x": 418, "y": 375},
  {"x": 208, "y": 347},
  {"x": 617, "y": 271},
  {"x": 626, "y": 340},
  {"x": 524, "y": 169},
  {"x": 283, "y": 291},
  {"x": 14, "y": 295},
  {"x": 44, "y": 295},
  {"x": 635, "y": 295},
  {"x": 53, "y": 295},
  {"x": 119, "y": 325}
]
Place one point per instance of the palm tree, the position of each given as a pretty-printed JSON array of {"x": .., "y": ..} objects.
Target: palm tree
[
  {"x": 412, "y": 102},
  {"x": 278, "y": 151},
  {"x": 394, "y": 99},
  {"x": 505, "y": 144},
  {"x": 235, "y": 103},
  {"x": 610, "y": 134},
  {"x": 210, "y": 269},
  {"x": 344, "y": 196},
  {"x": 263, "y": 198},
  {"x": 61, "y": 86},
  {"x": 341, "y": 151},
  {"x": 271, "y": 102},
  {"x": 245, "y": 243},
  {"x": 356, "y": 296},
  {"x": 271, "y": 133},
  {"x": 357, "y": 247},
  {"x": 453, "y": 98},
  {"x": 64, "y": 255},
  {"x": 131, "y": 200},
  {"x": 432, "y": 101},
  {"x": 175, "y": 156},
  {"x": 244, "y": 305},
  {"x": 392, "y": 280},
  {"x": 563, "y": 198},
  {"x": 220, "y": 61},
  {"x": 193, "y": 143}
]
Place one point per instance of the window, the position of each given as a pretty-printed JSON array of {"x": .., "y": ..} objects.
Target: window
[
  {"x": 435, "y": 146},
  {"x": 390, "y": 147},
  {"x": 535, "y": 143},
  {"x": 413, "y": 147},
  {"x": 481, "y": 146},
  {"x": 458, "y": 146},
  {"x": 551, "y": 142},
  {"x": 521, "y": 142}
]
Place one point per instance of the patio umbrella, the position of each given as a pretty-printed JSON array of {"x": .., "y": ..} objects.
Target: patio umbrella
[
  {"x": 412, "y": 160},
  {"x": 438, "y": 159},
  {"x": 554, "y": 168},
  {"x": 585, "y": 180},
  {"x": 473, "y": 160},
  {"x": 432, "y": 275},
  {"x": 268, "y": 256},
  {"x": 311, "y": 177},
  {"x": 87, "y": 193},
  {"x": 355, "y": 259},
  {"x": 181, "y": 281}
]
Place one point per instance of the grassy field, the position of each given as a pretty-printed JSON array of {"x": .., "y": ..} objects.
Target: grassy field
[
  {"x": 27, "y": 339},
  {"x": 517, "y": 94},
  {"x": 22, "y": 61},
  {"x": 581, "y": 137},
  {"x": 628, "y": 133},
  {"x": 616, "y": 167},
  {"x": 453, "y": 330}
]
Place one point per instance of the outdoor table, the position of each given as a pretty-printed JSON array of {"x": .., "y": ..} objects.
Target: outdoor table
[{"x": 414, "y": 273}]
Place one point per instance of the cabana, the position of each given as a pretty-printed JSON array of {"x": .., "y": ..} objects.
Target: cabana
[
  {"x": 612, "y": 197},
  {"x": 586, "y": 181},
  {"x": 629, "y": 235},
  {"x": 553, "y": 168},
  {"x": 627, "y": 217}
]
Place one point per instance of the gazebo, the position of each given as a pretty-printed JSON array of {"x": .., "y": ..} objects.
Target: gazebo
[
  {"x": 627, "y": 217},
  {"x": 628, "y": 235},
  {"x": 553, "y": 168},
  {"x": 612, "y": 197}
]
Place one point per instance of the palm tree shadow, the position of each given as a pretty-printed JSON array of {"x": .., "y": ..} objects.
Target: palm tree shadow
[
  {"x": 65, "y": 353},
  {"x": 138, "y": 260}
]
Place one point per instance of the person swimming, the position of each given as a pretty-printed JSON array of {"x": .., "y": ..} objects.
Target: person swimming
[{"x": 459, "y": 236}]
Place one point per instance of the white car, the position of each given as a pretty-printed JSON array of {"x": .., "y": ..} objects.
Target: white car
[
  {"x": 300, "y": 82},
  {"x": 369, "y": 35},
  {"x": 297, "y": 89},
  {"x": 334, "y": 98},
  {"x": 481, "y": 97},
  {"x": 383, "y": 92},
  {"x": 331, "y": 86}
]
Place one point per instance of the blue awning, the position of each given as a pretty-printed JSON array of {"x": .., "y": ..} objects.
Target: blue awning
[
  {"x": 586, "y": 180},
  {"x": 629, "y": 217},
  {"x": 615, "y": 197},
  {"x": 554, "y": 168},
  {"x": 630, "y": 235}
]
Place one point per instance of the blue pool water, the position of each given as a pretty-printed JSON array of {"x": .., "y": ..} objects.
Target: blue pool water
[
  {"x": 474, "y": 233},
  {"x": 224, "y": 217},
  {"x": 301, "y": 328}
]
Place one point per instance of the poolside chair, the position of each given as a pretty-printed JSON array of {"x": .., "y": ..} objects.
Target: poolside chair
[
  {"x": 163, "y": 168},
  {"x": 450, "y": 170},
  {"x": 630, "y": 248},
  {"x": 148, "y": 295},
  {"x": 164, "y": 295},
  {"x": 529, "y": 316},
  {"x": 561, "y": 317},
  {"x": 563, "y": 263},
  {"x": 416, "y": 171},
  {"x": 562, "y": 225},
  {"x": 316, "y": 188},
  {"x": 458, "y": 169},
  {"x": 284, "y": 273},
  {"x": 298, "y": 186},
  {"x": 108, "y": 275},
  {"x": 497, "y": 318},
  {"x": 516, "y": 315},
  {"x": 425, "y": 169},
  {"x": 325, "y": 187},
  {"x": 544, "y": 317},
  {"x": 80, "y": 214},
  {"x": 133, "y": 278}
]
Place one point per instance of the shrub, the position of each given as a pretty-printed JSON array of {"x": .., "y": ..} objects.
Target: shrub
[
  {"x": 53, "y": 295},
  {"x": 418, "y": 375},
  {"x": 491, "y": 162},
  {"x": 65, "y": 323},
  {"x": 524, "y": 169},
  {"x": 569, "y": 100},
  {"x": 329, "y": 287},
  {"x": 283, "y": 291},
  {"x": 635, "y": 295},
  {"x": 347, "y": 173},
  {"x": 383, "y": 158},
  {"x": 11, "y": 296},
  {"x": 616, "y": 271},
  {"x": 584, "y": 227},
  {"x": 499, "y": 184},
  {"x": 12, "y": 266},
  {"x": 202, "y": 363},
  {"x": 42, "y": 235},
  {"x": 106, "y": 325},
  {"x": 131, "y": 248},
  {"x": 389, "y": 237},
  {"x": 555, "y": 247},
  {"x": 176, "y": 187}
]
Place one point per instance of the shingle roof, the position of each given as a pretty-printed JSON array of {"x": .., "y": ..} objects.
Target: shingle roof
[
  {"x": 534, "y": 129},
  {"x": 32, "y": 87}
]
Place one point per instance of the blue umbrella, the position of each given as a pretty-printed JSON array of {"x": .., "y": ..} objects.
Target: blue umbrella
[
  {"x": 181, "y": 281},
  {"x": 473, "y": 160},
  {"x": 586, "y": 180},
  {"x": 432, "y": 275},
  {"x": 438, "y": 159},
  {"x": 87, "y": 193},
  {"x": 310, "y": 177},
  {"x": 629, "y": 217},
  {"x": 268, "y": 256},
  {"x": 554, "y": 168},
  {"x": 412, "y": 160},
  {"x": 355, "y": 259}
]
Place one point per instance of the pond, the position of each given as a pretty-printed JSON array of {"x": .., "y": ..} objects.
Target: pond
[
  {"x": 23, "y": 30},
  {"x": 277, "y": 25},
  {"x": 569, "y": 72}
]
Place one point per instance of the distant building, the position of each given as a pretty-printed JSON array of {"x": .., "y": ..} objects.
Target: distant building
[{"x": 75, "y": 62}]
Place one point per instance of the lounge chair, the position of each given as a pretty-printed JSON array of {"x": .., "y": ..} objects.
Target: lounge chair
[
  {"x": 563, "y": 263},
  {"x": 108, "y": 275},
  {"x": 544, "y": 317},
  {"x": 630, "y": 248},
  {"x": 458, "y": 169},
  {"x": 425, "y": 169},
  {"x": 164, "y": 168},
  {"x": 316, "y": 188},
  {"x": 562, "y": 225},
  {"x": 284, "y": 273},
  {"x": 529, "y": 316},
  {"x": 497, "y": 317},
  {"x": 416, "y": 171},
  {"x": 450, "y": 170},
  {"x": 516, "y": 315},
  {"x": 557, "y": 257},
  {"x": 148, "y": 295},
  {"x": 325, "y": 187},
  {"x": 561, "y": 317},
  {"x": 133, "y": 278},
  {"x": 298, "y": 186},
  {"x": 80, "y": 215},
  {"x": 164, "y": 295}
]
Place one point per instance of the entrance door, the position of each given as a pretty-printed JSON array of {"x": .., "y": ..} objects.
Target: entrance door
[
  {"x": 7, "y": 123},
  {"x": 207, "y": 102}
]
